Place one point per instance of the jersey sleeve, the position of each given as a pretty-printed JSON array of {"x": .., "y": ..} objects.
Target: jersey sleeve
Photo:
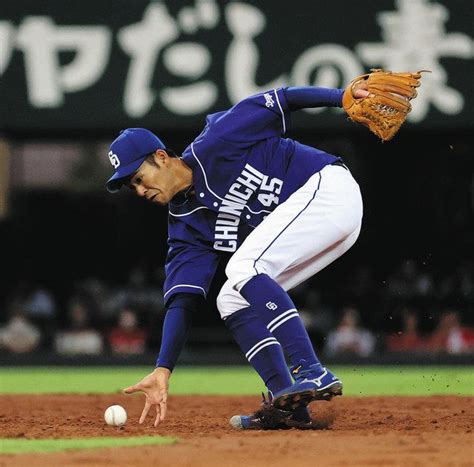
[
  {"x": 306, "y": 97},
  {"x": 255, "y": 118},
  {"x": 189, "y": 269}
]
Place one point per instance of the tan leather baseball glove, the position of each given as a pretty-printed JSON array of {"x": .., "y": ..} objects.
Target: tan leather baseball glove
[{"x": 386, "y": 107}]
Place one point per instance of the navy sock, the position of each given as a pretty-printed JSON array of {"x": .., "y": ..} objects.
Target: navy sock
[
  {"x": 261, "y": 349},
  {"x": 278, "y": 312}
]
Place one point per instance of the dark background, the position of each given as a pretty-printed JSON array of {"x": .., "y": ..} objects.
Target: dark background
[
  {"x": 418, "y": 189},
  {"x": 417, "y": 192}
]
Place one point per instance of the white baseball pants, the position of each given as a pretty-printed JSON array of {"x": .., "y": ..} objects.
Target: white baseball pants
[{"x": 311, "y": 229}]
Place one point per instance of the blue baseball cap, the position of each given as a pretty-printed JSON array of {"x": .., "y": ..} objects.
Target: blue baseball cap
[{"x": 128, "y": 152}]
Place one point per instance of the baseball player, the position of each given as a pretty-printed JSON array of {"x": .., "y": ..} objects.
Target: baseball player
[{"x": 283, "y": 210}]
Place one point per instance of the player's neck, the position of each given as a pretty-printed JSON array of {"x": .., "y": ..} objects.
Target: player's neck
[{"x": 184, "y": 176}]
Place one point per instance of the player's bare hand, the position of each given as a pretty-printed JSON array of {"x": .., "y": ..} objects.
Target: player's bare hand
[
  {"x": 358, "y": 90},
  {"x": 360, "y": 93},
  {"x": 155, "y": 387}
]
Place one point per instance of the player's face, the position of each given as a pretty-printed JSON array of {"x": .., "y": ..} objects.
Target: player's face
[{"x": 155, "y": 180}]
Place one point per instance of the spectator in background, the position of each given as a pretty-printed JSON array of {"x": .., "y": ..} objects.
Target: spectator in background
[
  {"x": 410, "y": 282},
  {"x": 317, "y": 317},
  {"x": 360, "y": 284},
  {"x": 408, "y": 339},
  {"x": 93, "y": 293},
  {"x": 127, "y": 337},
  {"x": 40, "y": 308},
  {"x": 458, "y": 284},
  {"x": 19, "y": 335},
  {"x": 450, "y": 336},
  {"x": 81, "y": 338},
  {"x": 144, "y": 297},
  {"x": 349, "y": 338},
  {"x": 39, "y": 303}
]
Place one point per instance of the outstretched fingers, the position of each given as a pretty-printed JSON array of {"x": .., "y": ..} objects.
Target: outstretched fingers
[
  {"x": 163, "y": 406},
  {"x": 132, "y": 389},
  {"x": 145, "y": 411},
  {"x": 156, "y": 393},
  {"x": 158, "y": 416}
]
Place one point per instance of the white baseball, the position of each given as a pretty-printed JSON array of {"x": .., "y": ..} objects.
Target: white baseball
[{"x": 115, "y": 415}]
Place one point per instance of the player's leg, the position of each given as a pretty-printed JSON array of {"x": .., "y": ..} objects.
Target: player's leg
[
  {"x": 260, "y": 347},
  {"x": 309, "y": 226},
  {"x": 318, "y": 216},
  {"x": 295, "y": 275},
  {"x": 313, "y": 227},
  {"x": 264, "y": 353},
  {"x": 243, "y": 322},
  {"x": 312, "y": 381}
]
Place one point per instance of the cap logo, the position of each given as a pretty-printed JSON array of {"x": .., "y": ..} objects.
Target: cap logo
[
  {"x": 114, "y": 160},
  {"x": 269, "y": 102}
]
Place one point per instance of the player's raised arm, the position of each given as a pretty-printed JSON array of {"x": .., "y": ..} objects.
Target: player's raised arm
[
  {"x": 267, "y": 115},
  {"x": 262, "y": 116},
  {"x": 306, "y": 97}
]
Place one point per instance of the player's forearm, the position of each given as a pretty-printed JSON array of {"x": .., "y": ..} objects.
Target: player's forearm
[
  {"x": 175, "y": 333},
  {"x": 309, "y": 96}
]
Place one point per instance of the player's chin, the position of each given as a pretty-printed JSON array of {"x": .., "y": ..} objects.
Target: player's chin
[{"x": 160, "y": 199}]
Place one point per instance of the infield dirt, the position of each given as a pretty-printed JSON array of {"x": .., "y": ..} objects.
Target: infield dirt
[{"x": 368, "y": 431}]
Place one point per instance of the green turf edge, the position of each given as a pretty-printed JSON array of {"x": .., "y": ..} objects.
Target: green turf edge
[
  {"x": 358, "y": 380},
  {"x": 27, "y": 446}
]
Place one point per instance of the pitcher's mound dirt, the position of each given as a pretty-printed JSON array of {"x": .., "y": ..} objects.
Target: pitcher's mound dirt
[{"x": 369, "y": 431}]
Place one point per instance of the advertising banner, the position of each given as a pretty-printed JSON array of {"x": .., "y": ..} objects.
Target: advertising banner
[{"x": 112, "y": 64}]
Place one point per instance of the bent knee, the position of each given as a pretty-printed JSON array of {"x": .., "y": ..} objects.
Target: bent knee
[
  {"x": 239, "y": 271},
  {"x": 220, "y": 302},
  {"x": 229, "y": 301}
]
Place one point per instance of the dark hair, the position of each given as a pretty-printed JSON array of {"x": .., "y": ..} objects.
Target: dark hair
[
  {"x": 170, "y": 152},
  {"x": 150, "y": 157}
]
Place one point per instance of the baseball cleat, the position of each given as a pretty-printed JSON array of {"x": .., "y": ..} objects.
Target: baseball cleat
[
  {"x": 311, "y": 384},
  {"x": 245, "y": 422},
  {"x": 271, "y": 418}
]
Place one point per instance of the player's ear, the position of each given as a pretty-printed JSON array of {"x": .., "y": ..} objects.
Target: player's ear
[{"x": 160, "y": 156}]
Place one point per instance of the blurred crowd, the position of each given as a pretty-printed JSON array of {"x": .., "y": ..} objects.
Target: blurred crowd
[
  {"x": 411, "y": 310},
  {"x": 97, "y": 318}
]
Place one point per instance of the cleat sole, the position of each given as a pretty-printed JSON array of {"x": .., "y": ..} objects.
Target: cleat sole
[{"x": 303, "y": 398}]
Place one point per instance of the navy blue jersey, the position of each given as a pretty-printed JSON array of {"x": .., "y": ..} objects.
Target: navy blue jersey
[{"x": 242, "y": 169}]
